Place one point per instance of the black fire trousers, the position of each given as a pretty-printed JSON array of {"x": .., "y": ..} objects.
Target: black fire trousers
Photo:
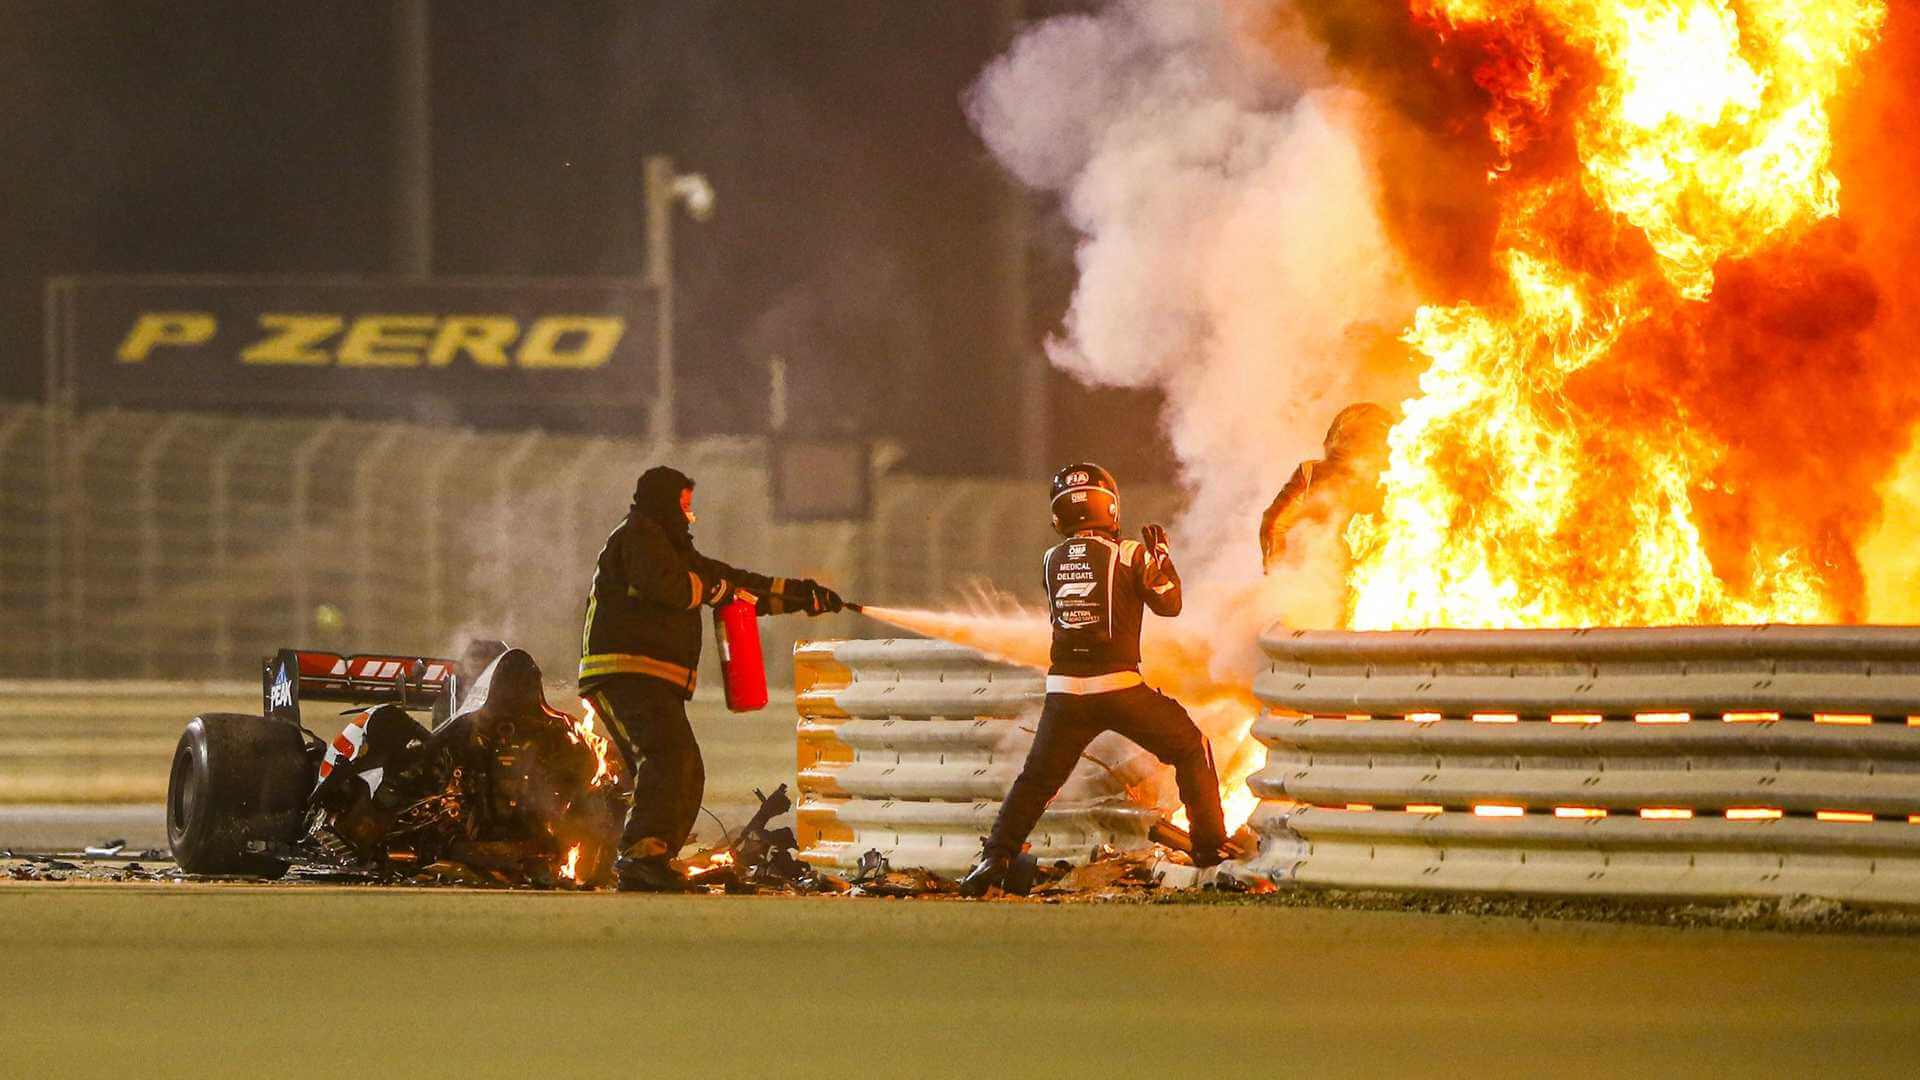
[
  {"x": 1070, "y": 721},
  {"x": 647, "y": 720}
]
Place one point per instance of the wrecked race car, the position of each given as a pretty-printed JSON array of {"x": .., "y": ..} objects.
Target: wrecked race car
[{"x": 501, "y": 788}]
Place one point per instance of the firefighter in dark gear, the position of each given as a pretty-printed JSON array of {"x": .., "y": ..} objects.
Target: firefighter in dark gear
[
  {"x": 1098, "y": 585},
  {"x": 1334, "y": 489},
  {"x": 639, "y": 654}
]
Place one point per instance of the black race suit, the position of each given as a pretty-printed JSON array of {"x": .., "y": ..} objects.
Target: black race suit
[
  {"x": 640, "y": 650},
  {"x": 1098, "y": 587}
]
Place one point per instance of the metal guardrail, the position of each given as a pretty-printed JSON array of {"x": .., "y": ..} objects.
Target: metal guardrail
[
  {"x": 1681, "y": 763},
  {"x": 907, "y": 747}
]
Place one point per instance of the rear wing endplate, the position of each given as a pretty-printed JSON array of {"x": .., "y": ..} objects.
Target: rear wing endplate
[{"x": 295, "y": 675}]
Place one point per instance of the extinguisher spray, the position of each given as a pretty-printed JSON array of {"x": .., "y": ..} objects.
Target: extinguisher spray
[{"x": 742, "y": 667}]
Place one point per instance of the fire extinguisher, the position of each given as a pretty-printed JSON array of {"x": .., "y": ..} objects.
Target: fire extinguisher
[{"x": 742, "y": 667}]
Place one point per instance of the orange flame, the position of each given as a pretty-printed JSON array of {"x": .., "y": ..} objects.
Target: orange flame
[
  {"x": 582, "y": 730},
  {"x": 1526, "y": 486},
  {"x": 571, "y": 868}
]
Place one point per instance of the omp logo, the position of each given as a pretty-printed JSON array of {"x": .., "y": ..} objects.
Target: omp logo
[
  {"x": 280, "y": 695},
  {"x": 1076, "y": 551},
  {"x": 1074, "y": 589},
  {"x": 319, "y": 339}
]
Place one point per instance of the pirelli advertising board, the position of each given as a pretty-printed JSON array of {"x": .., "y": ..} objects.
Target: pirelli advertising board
[{"x": 360, "y": 344}]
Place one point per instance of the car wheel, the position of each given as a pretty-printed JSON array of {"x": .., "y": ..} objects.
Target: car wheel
[{"x": 236, "y": 781}]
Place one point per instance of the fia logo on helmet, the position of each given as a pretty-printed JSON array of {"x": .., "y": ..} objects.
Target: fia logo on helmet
[{"x": 1075, "y": 479}]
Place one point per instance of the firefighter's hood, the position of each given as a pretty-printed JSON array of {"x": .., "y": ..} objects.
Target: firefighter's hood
[{"x": 656, "y": 498}]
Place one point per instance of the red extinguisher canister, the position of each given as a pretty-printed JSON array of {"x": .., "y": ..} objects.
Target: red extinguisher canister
[{"x": 742, "y": 667}]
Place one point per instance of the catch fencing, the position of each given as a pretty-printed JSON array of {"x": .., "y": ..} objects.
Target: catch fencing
[
  {"x": 1672, "y": 763},
  {"x": 179, "y": 545},
  {"x": 908, "y": 747}
]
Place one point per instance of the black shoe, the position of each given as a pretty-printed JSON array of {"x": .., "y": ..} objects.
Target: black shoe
[
  {"x": 988, "y": 874},
  {"x": 654, "y": 874}
]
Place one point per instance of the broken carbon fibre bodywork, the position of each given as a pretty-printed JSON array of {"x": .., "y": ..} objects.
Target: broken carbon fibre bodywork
[{"x": 497, "y": 787}]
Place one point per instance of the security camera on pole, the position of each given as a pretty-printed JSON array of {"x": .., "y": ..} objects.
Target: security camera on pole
[{"x": 664, "y": 189}]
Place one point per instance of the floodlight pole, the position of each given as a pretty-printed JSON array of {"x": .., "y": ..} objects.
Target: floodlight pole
[
  {"x": 665, "y": 188},
  {"x": 412, "y": 210}
]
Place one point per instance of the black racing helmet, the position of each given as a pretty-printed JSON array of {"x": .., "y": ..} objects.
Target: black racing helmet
[{"x": 1085, "y": 497}]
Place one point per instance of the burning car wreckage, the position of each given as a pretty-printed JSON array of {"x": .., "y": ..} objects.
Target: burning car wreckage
[
  {"x": 502, "y": 787},
  {"x": 498, "y": 787}
]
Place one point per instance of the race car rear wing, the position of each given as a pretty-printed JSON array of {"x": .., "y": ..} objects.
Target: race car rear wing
[{"x": 295, "y": 675}]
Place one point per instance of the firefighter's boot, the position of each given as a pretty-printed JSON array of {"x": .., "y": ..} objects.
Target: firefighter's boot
[
  {"x": 652, "y": 874},
  {"x": 988, "y": 874}
]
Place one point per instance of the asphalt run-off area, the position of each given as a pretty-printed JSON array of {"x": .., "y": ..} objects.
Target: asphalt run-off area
[
  {"x": 213, "y": 979},
  {"x": 102, "y": 977}
]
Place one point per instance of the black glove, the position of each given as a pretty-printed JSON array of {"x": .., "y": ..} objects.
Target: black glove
[
  {"x": 1155, "y": 538},
  {"x": 720, "y": 593},
  {"x": 822, "y": 600}
]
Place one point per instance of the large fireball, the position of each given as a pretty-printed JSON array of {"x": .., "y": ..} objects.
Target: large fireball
[{"x": 1551, "y": 470}]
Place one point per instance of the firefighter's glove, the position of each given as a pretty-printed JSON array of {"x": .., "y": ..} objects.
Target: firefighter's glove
[
  {"x": 1155, "y": 537},
  {"x": 821, "y": 600}
]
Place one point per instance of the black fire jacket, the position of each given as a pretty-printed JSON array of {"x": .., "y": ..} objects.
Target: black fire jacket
[{"x": 643, "y": 614}]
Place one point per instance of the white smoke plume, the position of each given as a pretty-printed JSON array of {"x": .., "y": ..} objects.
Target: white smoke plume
[{"x": 1230, "y": 255}]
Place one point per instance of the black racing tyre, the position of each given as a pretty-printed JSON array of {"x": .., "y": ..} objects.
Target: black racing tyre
[{"x": 236, "y": 780}]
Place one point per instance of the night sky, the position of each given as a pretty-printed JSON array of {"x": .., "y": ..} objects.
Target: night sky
[{"x": 854, "y": 233}]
